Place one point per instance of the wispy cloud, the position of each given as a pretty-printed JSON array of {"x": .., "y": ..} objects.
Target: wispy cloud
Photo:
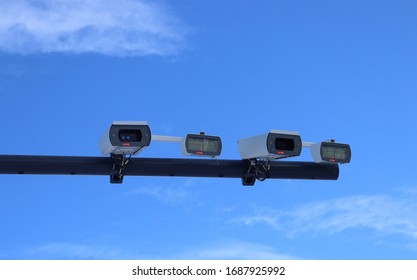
[
  {"x": 232, "y": 250},
  {"x": 170, "y": 194},
  {"x": 236, "y": 250},
  {"x": 110, "y": 27},
  {"x": 381, "y": 213},
  {"x": 164, "y": 194},
  {"x": 77, "y": 251}
]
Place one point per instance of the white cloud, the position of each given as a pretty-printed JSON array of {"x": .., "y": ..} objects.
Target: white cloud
[
  {"x": 110, "y": 27},
  {"x": 170, "y": 194},
  {"x": 236, "y": 250},
  {"x": 381, "y": 213},
  {"x": 64, "y": 250},
  {"x": 232, "y": 250},
  {"x": 166, "y": 195}
]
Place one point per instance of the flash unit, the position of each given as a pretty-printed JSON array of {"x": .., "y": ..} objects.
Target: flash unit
[
  {"x": 330, "y": 152},
  {"x": 201, "y": 145}
]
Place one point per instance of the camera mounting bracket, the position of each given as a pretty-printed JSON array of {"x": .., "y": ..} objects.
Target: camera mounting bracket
[
  {"x": 258, "y": 169},
  {"x": 118, "y": 169}
]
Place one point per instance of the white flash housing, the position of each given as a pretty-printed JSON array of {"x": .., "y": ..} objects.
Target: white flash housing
[
  {"x": 201, "y": 145},
  {"x": 330, "y": 152}
]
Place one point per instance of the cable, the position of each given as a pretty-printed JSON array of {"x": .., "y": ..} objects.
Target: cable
[{"x": 262, "y": 169}]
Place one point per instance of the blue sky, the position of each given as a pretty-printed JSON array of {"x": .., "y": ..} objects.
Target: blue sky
[{"x": 327, "y": 69}]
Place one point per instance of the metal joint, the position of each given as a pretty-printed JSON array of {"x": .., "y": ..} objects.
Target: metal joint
[
  {"x": 258, "y": 169},
  {"x": 118, "y": 170}
]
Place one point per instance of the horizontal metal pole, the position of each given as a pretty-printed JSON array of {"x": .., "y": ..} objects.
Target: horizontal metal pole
[
  {"x": 73, "y": 165},
  {"x": 166, "y": 138},
  {"x": 308, "y": 144}
]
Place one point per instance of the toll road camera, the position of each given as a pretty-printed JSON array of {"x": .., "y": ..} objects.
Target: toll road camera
[
  {"x": 201, "y": 145},
  {"x": 273, "y": 145},
  {"x": 330, "y": 152},
  {"x": 125, "y": 138}
]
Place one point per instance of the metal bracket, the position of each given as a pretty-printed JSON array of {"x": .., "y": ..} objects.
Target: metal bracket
[
  {"x": 258, "y": 169},
  {"x": 118, "y": 170}
]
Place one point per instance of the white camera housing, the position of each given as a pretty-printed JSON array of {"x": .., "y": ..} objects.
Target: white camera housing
[
  {"x": 330, "y": 152},
  {"x": 125, "y": 138},
  {"x": 273, "y": 145}
]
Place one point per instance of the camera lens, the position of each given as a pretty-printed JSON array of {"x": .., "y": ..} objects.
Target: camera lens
[
  {"x": 284, "y": 144},
  {"x": 130, "y": 135}
]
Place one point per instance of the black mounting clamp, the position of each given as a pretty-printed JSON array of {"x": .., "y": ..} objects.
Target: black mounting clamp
[
  {"x": 118, "y": 170},
  {"x": 258, "y": 169}
]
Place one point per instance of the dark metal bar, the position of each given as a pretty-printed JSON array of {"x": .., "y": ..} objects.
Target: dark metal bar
[{"x": 71, "y": 165}]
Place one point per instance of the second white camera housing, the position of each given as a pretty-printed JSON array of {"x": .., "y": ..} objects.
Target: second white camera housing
[{"x": 273, "y": 145}]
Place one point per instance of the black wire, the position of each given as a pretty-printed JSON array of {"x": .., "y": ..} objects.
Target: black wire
[{"x": 263, "y": 174}]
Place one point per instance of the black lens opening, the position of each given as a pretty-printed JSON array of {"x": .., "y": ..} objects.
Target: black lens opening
[
  {"x": 284, "y": 144},
  {"x": 130, "y": 135}
]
